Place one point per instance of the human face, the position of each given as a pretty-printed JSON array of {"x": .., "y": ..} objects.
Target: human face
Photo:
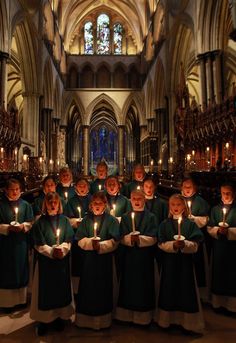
[
  {"x": 149, "y": 188},
  {"x": 138, "y": 174},
  {"x": 65, "y": 177},
  {"x": 98, "y": 207},
  {"x": 52, "y": 207},
  {"x": 137, "y": 201},
  {"x": 177, "y": 206},
  {"x": 188, "y": 188},
  {"x": 101, "y": 172},
  {"x": 49, "y": 186},
  {"x": 227, "y": 194},
  {"x": 13, "y": 192},
  {"x": 112, "y": 186},
  {"x": 82, "y": 188}
]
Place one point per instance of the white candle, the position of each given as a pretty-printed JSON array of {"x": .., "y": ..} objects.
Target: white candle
[
  {"x": 99, "y": 187},
  {"x": 151, "y": 166},
  {"x": 16, "y": 213},
  {"x": 2, "y": 152},
  {"x": 58, "y": 236},
  {"x": 133, "y": 223},
  {"x": 179, "y": 223},
  {"x": 189, "y": 207},
  {"x": 66, "y": 195},
  {"x": 79, "y": 210},
  {"x": 95, "y": 230},
  {"x": 224, "y": 214},
  {"x": 113, "y": 211}
]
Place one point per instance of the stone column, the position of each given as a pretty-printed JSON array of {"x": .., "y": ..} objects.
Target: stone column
[
  {"x": 201, "y": 59},
  {"x": 31, "y": 120},
  {"x": 217, "y": 75},
  {"x": 86, "y": 149},
  {"x": 46, "y": 127},
  {"x": 3, "y": 78},
  {"x": 121, "y": 149},
  {"x": 209, "y": 73}
]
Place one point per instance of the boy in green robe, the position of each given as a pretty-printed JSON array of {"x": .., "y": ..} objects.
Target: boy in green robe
[{"x": 98, "y": 184}]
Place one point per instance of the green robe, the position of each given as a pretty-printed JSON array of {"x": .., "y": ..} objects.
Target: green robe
[
  {"x": 38, "y": 204},
  {"x": 199, "y": 207},
  {"x": 71, "y": 211},
  {"x": 158, "y": 207},
  {"x": 54, "y": 274},
  {"x": 137, "y": 289},
  {"x": 95, "y": 294},
  {"x": 123, "y": 204},
  {"x": 177, "y": 284},
  {"x": 60, "y": 189},
  {"x": 94, "y": 186},
  {"x": 14, "y": 247},
  {"x": 129, "y": 187},
  {"x": 223, "y": 279}
]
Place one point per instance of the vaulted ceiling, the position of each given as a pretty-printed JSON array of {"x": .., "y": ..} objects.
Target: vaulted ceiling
[{"x": 134, "y": 13}]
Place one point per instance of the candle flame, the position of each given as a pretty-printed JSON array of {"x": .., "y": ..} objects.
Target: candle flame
[
  {"x": 58, "y": 233},
  {"x": 100, "y": 187},
  {"x": 179, "y": 220},
  {"x": 16, "y": 210},
  {"x": 224, "y": 210},
  {"x": 66, "y": 195},
  {"x": 132, "y": 215},
  {"x": 189, "y": 204},
  {"x": 114, "y": 207}
]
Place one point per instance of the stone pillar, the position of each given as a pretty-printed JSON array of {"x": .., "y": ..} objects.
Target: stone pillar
[
  {"x": 209, "y": 73},
  {"x": 201, "y": 59},
  {"x": 46, "y": 127},
  {"x": 85, "y": 149},
  {"x": 3, "y": 78},
  {"x": 121, "y": 149},
  {"x": 31, "y": 120},
  {"x": 217, "y": 75}
]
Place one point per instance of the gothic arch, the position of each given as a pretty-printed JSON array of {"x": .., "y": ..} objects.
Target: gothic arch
[
  {"x": 136, "y": 101},
  {"x": 69, "y": 100}
]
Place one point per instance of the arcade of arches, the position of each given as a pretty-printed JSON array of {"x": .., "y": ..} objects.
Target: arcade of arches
[{"x": 124, "y": 81}]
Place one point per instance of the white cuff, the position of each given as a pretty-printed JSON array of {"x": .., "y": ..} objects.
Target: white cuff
[
  {"x": 73, "y": 222},
  {"x": 212, "y": 230},
  {"x": 231, "y": 234},
  {"x": 146, "y": 241},
  {"x": 200, "y": 221},
  {"x": 4, "y": 229},
  {"x": 168, "y": 247},
  {"x": 107, "y": 246},
  {"x": 126, "y": 240},
  {"x": 86, "y": 243},
  {"x": 45, "y": 250},
  {"x": 65, "y": 247},
  {"x": 190, "y": 247},
  {"x": 27, "y": 226}
]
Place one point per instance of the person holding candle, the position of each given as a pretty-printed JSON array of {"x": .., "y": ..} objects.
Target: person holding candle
[
  {"x": 77, "y": 207},
  {"x": 51, "y": 290},
  {"x": 136, "y": 301},
  {"x": 198, "y": 211},
  {"x": 49, "y": 185},
  {"x": 114, "y": 198},
  {"x": 98, "y": 236},
  {"x": 98, "y": 184},
  {"x": 138, "y": 176},
  {"x": 222, "y": 228},
  {"x": 16, "y": 216},
  {"x": 178, "y": 300},
  {"x": 65, "y": 187}
]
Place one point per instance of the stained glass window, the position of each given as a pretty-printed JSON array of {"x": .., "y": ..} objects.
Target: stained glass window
[
  {"x": 88, "y": 38},
  {"x": 118, "y": 35},
  {"x": 103, "y": 34}
]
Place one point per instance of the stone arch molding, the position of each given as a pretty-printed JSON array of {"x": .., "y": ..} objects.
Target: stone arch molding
[
  {"x": 69, "y": 100},
  {"x": 134, "y": 100},
  {"x": 100, "y": 99}
]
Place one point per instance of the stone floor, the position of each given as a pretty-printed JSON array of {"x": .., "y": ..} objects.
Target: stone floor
[{"x": 17, "y": 327}]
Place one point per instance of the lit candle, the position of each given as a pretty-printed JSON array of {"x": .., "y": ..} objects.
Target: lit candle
[
  {"x": 151, "y": 166},
  {"x": 160, "y": 165},
  {"x": 138, "y": 188},
  {"x": 179, "y": 223},
  {"x": 99, "y": 187},
  {"x": 133, "y": 223},
  {"x": 66, "y": 195},
  {"x": 188, "y": 157},
  {"x": 16, "y": 214},
  {"x": 189, "y": 207},
  {"x": 58, "y": 236},
  {"x": 193, "y": 153},
  {"x": 40, "y": 160},
  {"x": 2, "y": 152},
  {"x": 224, "y": 214},
  {"x": 51, "y": 165},
  {"x": 113, "y": 211},
  {"x": 79, "y": 210},
  {"x": 95, "y": 230}
]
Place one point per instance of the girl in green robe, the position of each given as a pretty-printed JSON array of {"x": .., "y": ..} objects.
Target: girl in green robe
[
  {"x": 16, "y": 216},
  {"x": 138, "y": 176},
  {"x": 136, "y": 301},
  {"x": 222, "y": 228},
  {"x": 51, "y": 291},
  {"x": 98, "y": 236},
  {"x": 178, "y": 300},
  {"x": 97, "y": 185}
]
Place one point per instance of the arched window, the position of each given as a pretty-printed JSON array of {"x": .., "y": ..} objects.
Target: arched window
[
  {"x": 118, "y": 37},
  {"x": 103, "y": 34},
  {"x": 88, "y": 38}
]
